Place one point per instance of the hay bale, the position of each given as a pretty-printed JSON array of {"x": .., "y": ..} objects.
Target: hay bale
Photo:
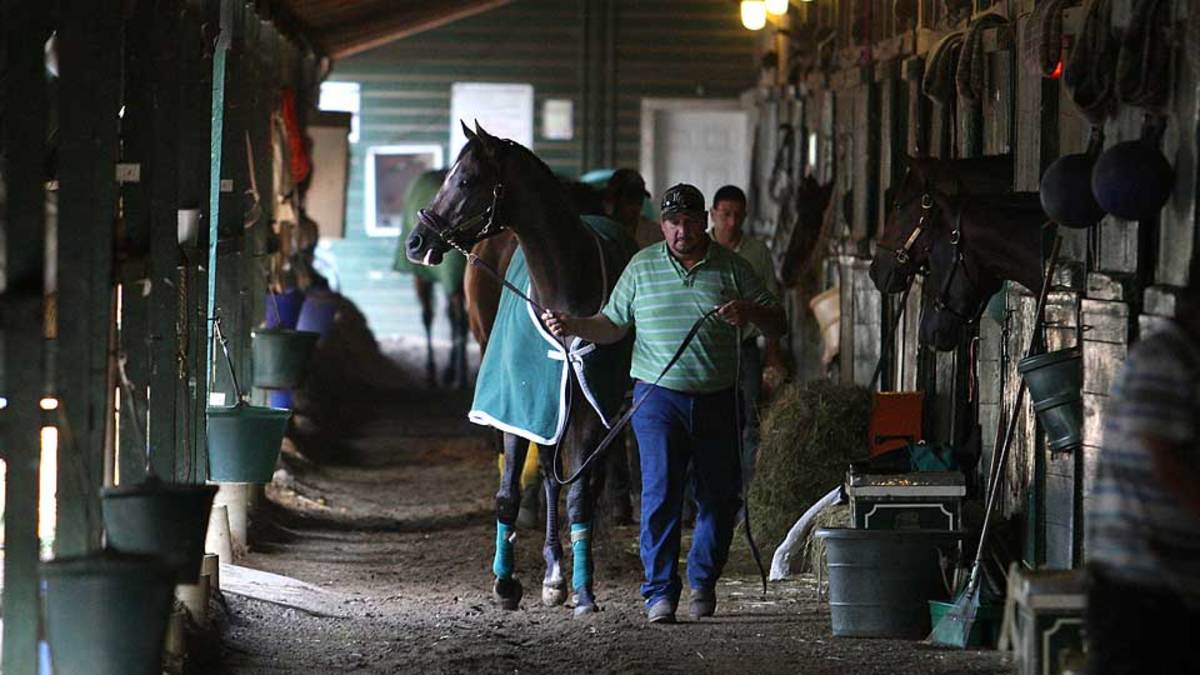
[{"x": 809, "y": 436}]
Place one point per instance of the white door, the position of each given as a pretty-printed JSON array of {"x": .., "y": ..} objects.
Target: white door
[{"x": 702, "y": 142}]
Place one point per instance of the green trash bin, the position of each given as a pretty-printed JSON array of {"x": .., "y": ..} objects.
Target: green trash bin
[{"x": 281, "y": 356}]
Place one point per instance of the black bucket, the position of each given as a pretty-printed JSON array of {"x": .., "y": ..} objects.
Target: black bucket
[
  {"x": 881, "y": 581},
  {"x": 166, "y": 520},
  {"x": 1054, "y": 380},
  {"x": 106, "y": 613}
]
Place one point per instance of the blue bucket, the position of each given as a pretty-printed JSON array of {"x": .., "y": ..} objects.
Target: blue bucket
[
  {"x": 283, "y": 309},
  {"x": 318, "y": 312}
]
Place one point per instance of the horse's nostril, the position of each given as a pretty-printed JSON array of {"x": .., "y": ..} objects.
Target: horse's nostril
[{"x": 415, "y": 242}]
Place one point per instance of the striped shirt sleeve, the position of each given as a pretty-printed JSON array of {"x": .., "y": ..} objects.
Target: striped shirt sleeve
[
  {"x": 1156, "y": 391},
  {"x": 619, "y": 308}
]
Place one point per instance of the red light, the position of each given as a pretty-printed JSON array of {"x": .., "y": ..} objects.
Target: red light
[{"x": 1058, "y": 70}]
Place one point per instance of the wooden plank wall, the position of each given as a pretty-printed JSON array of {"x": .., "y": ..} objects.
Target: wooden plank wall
[{"x": 1115, "y": 280}]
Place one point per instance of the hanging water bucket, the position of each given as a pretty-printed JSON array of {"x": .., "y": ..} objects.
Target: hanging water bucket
[
  {"x": 106, "y": 613},
  {"x": 1054, "y": 380},
  {"x": 881, "y": 581},
  {"x": 281, "y": 356},
  {"x": 166, "y": 520},
  {"x": 243, "y": 442}
]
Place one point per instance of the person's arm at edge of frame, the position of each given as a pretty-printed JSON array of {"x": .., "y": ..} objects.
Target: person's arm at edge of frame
[{"x": 1180, "y": 479}]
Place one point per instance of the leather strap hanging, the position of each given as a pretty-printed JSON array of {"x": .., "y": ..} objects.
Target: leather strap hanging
[
  {"x": 1041, "y": 38},
  {"x": 1089, "y": 74},
  {"x": 1143, "y": 76},
  {"x": 971, "y": 75},
  {"x": 938, "y": 81}
]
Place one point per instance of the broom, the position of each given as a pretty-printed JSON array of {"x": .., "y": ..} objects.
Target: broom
[{"x": 955, "y": 626}]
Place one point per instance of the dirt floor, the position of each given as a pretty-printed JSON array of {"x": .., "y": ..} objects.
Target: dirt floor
[{"x": 396, "y": 527}]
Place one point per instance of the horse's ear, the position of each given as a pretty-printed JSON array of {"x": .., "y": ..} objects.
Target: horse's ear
[
  {"x": 487, "y": 140},
  {"x": 471, "y": 136}
]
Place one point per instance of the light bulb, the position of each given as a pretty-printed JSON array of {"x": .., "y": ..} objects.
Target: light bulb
[
  {"x": 777, "y": 7},
  {"x": 754, "y": 14}
]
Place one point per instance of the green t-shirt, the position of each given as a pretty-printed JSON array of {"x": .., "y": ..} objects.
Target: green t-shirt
[{"x": 661, "y": 301}]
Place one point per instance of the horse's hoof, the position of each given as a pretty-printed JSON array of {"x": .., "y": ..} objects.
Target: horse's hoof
[
  {"x": 585, "y": 602},
  {"x": 507, "y": 593},
  {"x": 585, "y": 610},
  {"x": 553, "y": 596}
]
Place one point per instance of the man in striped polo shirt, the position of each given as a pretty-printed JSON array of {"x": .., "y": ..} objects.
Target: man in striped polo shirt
[
  {"x": 1143, "y": 513},
  {"x": 690, "y": 416}
]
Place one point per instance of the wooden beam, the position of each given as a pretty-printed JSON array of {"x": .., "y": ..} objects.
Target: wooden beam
[
  {"x": 162, "y": 185},
  {"x": 90, "y": 43},
  {"x": 22, "y": 216},
  {"x": 390, "y": 25}
]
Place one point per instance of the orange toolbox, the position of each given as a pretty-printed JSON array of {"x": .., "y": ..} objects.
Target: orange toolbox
[{"x": 895, "y": 420}]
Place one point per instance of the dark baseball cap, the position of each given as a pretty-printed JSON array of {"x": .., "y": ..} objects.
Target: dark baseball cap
[
  {"x": 682, "y": 198},
  {"x": 626, "y": 184}
]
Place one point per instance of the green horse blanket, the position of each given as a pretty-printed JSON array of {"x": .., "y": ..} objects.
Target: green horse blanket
[{"x": 523, "y": 386}]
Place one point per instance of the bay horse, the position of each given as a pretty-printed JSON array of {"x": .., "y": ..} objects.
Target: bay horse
[
  {"x": 958, "y": 222},
  {"x": 496, "y": 185}
]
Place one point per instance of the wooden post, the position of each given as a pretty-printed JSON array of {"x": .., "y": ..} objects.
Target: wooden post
[
  {"x": 90, "y": 40},
  {"x": 163, "y": 189},
  {"x": 22, "y": 215}
]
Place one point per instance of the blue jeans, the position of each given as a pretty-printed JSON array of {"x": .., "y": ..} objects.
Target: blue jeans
[{"x": 673, "y": 429}]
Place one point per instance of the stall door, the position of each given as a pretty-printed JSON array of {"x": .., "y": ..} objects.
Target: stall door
[{"x": 705, "y": 143}]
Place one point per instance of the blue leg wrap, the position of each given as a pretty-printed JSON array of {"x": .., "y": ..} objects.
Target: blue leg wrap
[
  {"x": 502, "y": 565},
  {"x": 581, "y": 573}
]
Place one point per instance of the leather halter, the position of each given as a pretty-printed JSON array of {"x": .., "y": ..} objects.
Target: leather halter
[
  {"x": 942, "y": 302},
  {"x": 924, "y": 222},
  {"x": 452, "y": 234}
]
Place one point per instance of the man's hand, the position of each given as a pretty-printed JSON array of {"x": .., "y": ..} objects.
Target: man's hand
[
  {"x": 557, "y": 323},
  {"x": 737, "y": 312}
]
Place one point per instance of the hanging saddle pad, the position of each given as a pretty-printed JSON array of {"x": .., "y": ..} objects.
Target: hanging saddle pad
[{"x": 523, "y": 386}]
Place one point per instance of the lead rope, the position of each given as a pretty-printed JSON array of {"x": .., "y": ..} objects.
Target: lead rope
[{"x": 741, "y": 450}]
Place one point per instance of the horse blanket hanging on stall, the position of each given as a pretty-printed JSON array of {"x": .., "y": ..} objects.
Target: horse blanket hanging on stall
[{"x": 523, "y": 386}]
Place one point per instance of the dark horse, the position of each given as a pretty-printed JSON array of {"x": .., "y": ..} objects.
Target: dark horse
[
  {"x": 498, "y": 185},
  {"x": 959, "y": 222}
]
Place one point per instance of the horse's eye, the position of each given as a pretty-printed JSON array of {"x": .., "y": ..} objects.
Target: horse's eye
[{"x": 464, "y": 182}]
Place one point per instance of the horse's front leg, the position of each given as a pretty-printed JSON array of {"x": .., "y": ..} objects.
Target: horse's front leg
[
  {"x": 507, "y": 590},
  {"x": 580, "y": 508},
  {"x": 554, "y": 585}
]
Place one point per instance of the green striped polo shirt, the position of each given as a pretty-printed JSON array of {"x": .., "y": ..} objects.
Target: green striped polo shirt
[{"x": 661, "y": 300}]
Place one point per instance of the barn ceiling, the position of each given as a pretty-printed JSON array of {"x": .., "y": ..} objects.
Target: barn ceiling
[{"x": 344, "y": 27}]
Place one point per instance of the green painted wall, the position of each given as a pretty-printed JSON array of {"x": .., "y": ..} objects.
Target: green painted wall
[{"x": 655, "y": 48}]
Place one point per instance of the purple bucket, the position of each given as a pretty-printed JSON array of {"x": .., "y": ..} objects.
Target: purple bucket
[
  {"x": 283, "y": 309},
  {"x": 318, "y": 312}
]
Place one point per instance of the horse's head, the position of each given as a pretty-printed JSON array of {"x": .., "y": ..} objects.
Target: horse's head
[
  {"x": 904, "y": 245},
  {"x": 957, "y": 290},
  {"x": 467, "y": 208}
]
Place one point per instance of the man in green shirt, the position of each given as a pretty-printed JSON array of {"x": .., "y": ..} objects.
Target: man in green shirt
[
  {"x": 728, "y": 213},
  {"x": 690, "y": 416}
]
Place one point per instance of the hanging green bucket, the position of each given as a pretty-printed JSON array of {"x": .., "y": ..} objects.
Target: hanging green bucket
[
  {"x": 1054, "y": 380},
  {"x": 281, "y": 356},
  {"x": 243, "y": 442},
  {"x": 166, "y": 520},
  {"x": 106, "y": 613}
]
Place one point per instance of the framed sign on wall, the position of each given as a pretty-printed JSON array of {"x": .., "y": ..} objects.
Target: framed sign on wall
[{"x": 390, "y": 169}]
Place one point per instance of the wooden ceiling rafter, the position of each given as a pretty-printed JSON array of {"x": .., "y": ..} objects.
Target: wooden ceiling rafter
[{"x": 343, "y": 28}]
